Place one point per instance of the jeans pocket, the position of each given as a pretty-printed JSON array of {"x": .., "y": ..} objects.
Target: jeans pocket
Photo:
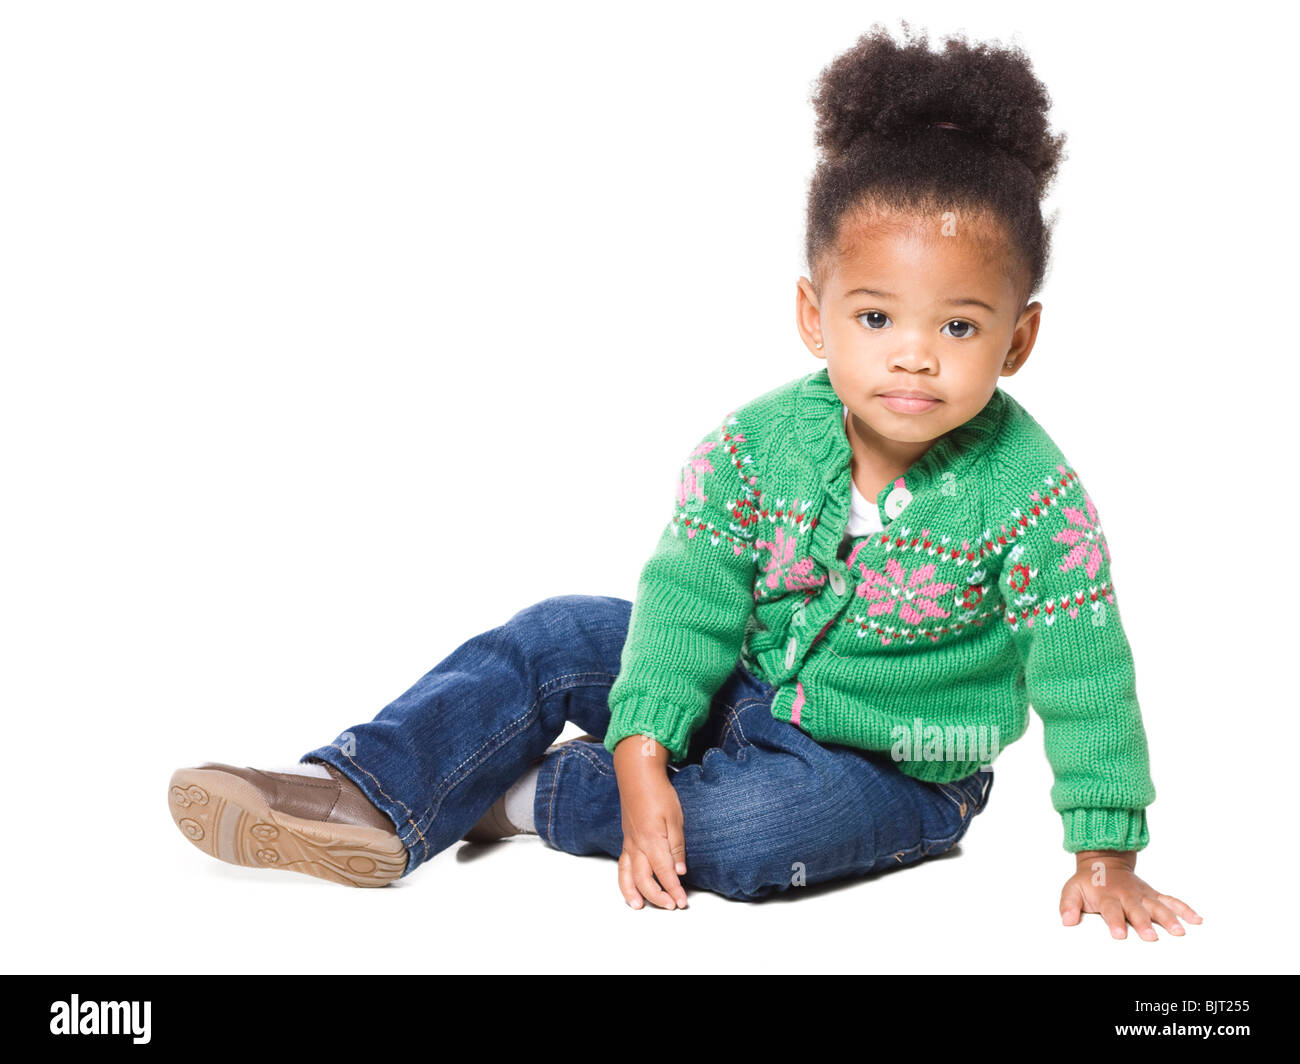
[{"x": 732, "y": 734}]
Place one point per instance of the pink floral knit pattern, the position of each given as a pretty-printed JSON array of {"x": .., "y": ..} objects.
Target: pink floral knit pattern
[
  {"x": 1084, "y": 539},
  {"x": 916, "y": 596}
]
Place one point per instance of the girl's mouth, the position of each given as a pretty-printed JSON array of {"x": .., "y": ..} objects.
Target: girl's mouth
[{"x": 906, "y": 405}]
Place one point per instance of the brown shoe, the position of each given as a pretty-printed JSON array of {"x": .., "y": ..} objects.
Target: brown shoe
[
  {"x": 493, "y": 824},
  {"x": 321, "y": 827}
]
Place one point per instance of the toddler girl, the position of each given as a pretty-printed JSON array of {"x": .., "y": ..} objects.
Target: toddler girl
[{"x": 869, "y": 574}]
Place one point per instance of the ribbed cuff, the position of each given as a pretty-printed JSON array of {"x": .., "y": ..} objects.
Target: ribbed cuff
[
  {"x": 1104, "y": 829},
  {"x": 668, "y": 724}
]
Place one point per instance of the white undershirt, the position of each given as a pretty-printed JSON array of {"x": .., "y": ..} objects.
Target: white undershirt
[{"x": 865, "y": 517}]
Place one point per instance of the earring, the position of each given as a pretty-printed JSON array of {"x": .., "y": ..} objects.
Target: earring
[{"x": 819, "y": 343}]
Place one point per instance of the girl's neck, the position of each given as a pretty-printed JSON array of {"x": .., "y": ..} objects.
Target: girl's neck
[{"x": 878, "y": 462}]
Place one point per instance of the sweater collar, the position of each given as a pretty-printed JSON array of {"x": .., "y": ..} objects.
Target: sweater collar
[{"x": 819, "y": 415}]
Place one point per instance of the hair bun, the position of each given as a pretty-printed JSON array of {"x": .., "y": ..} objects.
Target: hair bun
[{"x": 883, "y": 90}]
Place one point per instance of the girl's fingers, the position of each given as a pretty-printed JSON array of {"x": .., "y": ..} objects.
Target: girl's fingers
[
  {"x": 1071, "y": 905},
  {"x": 1180, "y": 907},
  {"x": 1112, "y": 911},
  {"x": 663, "y": 869},
  {"x": 625, "y": 882},
  {"x": 645, "y": 882},
  {"x": 677, "y": 846},
  {"x": 1164, "y": 916},
  {"x": 1140, "y": 919}
]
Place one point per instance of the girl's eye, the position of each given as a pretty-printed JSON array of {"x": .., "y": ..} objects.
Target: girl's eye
[{"x": 875, "y": 321}]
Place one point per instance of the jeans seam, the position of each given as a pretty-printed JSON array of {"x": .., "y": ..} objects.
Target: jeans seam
[
  {"x": 555, "y": 786},
  {"x": 500, "y": 737},
  {"x": 471, "y": 762}
]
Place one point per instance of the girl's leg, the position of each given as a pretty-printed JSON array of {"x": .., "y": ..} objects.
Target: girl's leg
[
  {"x": 767, "y": 807},
  {"x": 435, "y": 758}
]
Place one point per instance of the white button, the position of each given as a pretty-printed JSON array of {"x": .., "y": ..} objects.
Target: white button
[
  {"x": 837, "y": 582},
  {"x": 791, "y": 650},
  {"x": 896, "y": 501}
]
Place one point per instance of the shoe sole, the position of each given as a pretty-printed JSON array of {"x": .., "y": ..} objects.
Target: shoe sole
[{"x": 227, "y": 818}]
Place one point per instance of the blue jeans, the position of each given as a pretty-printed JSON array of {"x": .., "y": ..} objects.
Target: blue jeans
[{"x": 764, "y": 806}]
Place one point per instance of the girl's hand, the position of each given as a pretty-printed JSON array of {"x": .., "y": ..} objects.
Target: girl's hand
[
  {"x": 1105, "y": 883},
  {"x": 654, "y": 843}
]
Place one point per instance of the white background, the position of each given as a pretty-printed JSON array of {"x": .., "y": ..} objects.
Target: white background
[{"x": 294, "y": 293}]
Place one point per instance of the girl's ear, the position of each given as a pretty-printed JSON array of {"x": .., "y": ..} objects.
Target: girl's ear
[
  {"x": 1022, "y": 340},
  {"x": 808, "y": 318}
]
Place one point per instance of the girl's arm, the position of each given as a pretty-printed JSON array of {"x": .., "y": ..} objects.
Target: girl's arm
[
  {"x": 1080, "y": 679},
  {"x": 1079, "y": 673},
  {"x": 693, "y": 603},
  {"x": 693, "y": 600},
  {"x": 654, "y": 837}
]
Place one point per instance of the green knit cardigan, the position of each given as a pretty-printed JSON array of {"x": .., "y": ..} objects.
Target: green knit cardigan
[{"x": 988, "y": 591}]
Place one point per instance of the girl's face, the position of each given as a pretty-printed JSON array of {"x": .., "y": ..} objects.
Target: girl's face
[{"x": 917, "y": 304}]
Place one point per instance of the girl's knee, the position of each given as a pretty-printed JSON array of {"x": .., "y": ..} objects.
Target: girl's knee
[{"x": 565, "y": 614}]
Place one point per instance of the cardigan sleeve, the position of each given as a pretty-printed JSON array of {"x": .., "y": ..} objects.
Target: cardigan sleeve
[
  {"x": 1078, "y": 671},
  {"x": 694, "y": 597}
]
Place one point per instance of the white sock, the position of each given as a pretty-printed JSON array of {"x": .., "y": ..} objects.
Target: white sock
[
  {"x": 519, "y": 800},
  {"x": 303, "y": 768}
]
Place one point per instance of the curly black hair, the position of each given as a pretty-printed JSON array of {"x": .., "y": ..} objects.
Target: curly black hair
[{"x": 877, "y": 107}]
